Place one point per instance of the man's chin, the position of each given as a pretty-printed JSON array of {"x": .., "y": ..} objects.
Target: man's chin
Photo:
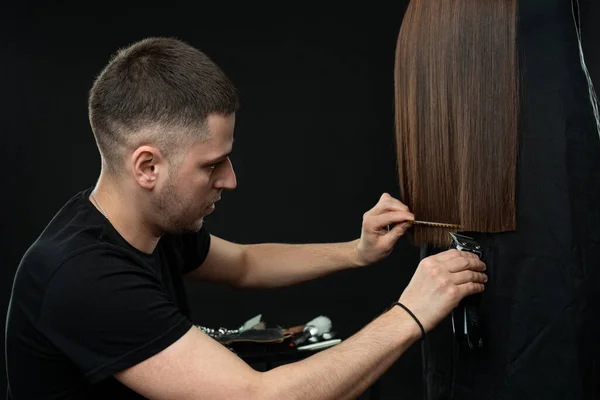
[
  {"x": 191, "y": 228},
  {"x": 196, "y": 226}
]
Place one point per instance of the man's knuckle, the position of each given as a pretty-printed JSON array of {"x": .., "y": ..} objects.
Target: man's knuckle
[
  {"x": 427, "y": 263},
  {"x": 452, "y": 291},
  {"x": 443, "y": 282},
  {"x": 433, "y": 270}
]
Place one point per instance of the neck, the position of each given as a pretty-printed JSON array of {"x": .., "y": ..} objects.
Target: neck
[{"x": 125, "y": 214}]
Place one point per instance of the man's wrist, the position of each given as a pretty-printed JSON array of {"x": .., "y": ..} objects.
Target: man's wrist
[
  {"x": 405, "y": 323},
  {"x": 356, "y": 259}
]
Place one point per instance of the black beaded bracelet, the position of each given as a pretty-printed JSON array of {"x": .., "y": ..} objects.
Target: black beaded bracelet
[{"x": 397, "y": 303}]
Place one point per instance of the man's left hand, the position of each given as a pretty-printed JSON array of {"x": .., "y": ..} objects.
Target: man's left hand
[{"x": 376, "y": 241}]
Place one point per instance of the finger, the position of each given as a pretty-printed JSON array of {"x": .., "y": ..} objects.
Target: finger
[
  {"x": 469, "y": 288},
  {"x": 378, "y": 222},
  {"x": 475, "y": 264},
  {"x": 468, "y": 276},
  {"x": 464, "y": 263},
  {"x": 388, "y": 203},
  {"x": 454, "y": 253},
  {"x": 447, "y": 255},
  {"x": 468, "y": 255},
  {"x": 400, "y": 229}
]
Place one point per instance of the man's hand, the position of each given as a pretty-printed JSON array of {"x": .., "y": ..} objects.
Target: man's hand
[
  {"x": 376, "y": 242},
  {"x": 440, "y": 282}
]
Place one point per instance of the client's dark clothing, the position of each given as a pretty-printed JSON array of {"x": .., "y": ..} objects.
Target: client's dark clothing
[
  {"x": 86, "y": 304},
  {"x": 540, "y": 308}
]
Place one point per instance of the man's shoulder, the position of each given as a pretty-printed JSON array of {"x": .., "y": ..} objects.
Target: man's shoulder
[
  {"x": 54, "y": 278},
  {"x": 70, "y": 259},
  {"x": 75, "y": 235}
]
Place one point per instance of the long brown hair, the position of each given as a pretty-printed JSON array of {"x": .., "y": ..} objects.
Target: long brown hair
[{"x": 456, "y": 95}]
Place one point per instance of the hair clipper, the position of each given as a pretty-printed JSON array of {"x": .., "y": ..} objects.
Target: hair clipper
[{"x": 465, "y": 317}]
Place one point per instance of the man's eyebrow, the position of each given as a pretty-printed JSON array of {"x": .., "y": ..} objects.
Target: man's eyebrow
[{"x": 219, "y": 158}]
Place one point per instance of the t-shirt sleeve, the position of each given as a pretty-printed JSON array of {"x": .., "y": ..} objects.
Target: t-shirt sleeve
[
  {"x": 106, "y": 313},
  {"x": 194, "y": 249}
]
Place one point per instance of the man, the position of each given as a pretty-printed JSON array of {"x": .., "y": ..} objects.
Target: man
[{"x": 98, "y": 308}]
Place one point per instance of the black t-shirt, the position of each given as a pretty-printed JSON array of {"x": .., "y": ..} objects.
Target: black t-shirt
[{"x": 86, "y": 304}]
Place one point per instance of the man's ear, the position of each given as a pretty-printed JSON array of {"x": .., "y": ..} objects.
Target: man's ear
[{"x": 147, "y": 164}]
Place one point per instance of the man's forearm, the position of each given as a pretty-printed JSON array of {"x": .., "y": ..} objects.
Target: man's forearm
[
  {"x": 275, "y": 264},
  {"x": 348, "y": 369}
]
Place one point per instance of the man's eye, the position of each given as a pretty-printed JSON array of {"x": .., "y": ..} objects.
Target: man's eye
[{"x": 215, "y": 165}]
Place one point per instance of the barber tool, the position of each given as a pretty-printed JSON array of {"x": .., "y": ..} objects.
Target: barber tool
[
  {"x": 320, "y": 345},
  {"x": 431, "y": 224},
  {"x": 328, "y": 335},
  {"x": 317, "y": 326},
  {"x": 435, "y": 224},
  {"x": 465, "y": 317},
  {"x": 252, "y": 323}
]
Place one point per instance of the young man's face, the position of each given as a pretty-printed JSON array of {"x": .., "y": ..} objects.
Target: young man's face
[{"x": 191, "y": 191}]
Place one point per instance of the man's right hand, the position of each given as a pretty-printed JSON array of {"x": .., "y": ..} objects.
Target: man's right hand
[{"x": 440, "y": 282}]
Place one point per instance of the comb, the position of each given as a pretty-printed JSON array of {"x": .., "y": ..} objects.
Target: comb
[{"x": 435, "y": 224}]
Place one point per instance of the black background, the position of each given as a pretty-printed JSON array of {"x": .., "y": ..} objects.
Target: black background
[{"x": 314, "y": 143}]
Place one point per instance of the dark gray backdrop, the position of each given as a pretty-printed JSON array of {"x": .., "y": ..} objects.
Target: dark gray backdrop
[{"x": 314, "y": 140}]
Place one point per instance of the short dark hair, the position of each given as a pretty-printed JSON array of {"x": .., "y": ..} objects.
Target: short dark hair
[{"x": 158, "y": 90}]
